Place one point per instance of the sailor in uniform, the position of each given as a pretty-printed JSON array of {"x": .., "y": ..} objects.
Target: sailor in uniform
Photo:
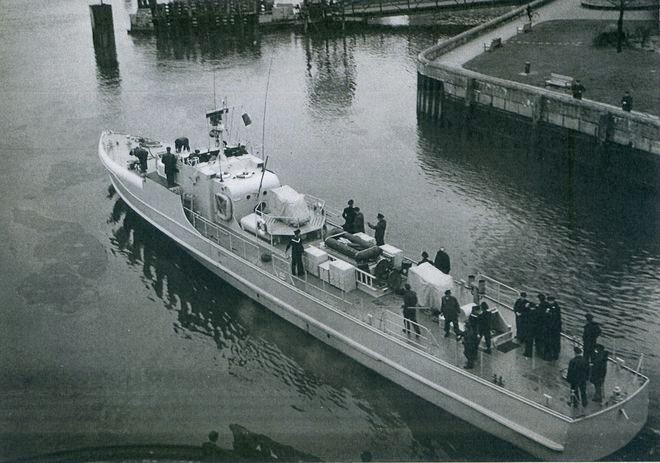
[{"x": 297, "y": 251}]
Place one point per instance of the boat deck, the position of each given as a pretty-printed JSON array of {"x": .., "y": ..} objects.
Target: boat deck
[{"x": 535, "y": 379}]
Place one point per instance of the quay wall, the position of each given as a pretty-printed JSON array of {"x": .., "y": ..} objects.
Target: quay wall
[{"x": 442, "y": 88}]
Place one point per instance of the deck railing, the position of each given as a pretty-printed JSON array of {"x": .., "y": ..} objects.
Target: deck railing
[{"x": 394, "y": 324}]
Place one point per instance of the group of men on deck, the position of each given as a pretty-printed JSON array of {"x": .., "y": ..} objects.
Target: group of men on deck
[
  {"x": 354, "y": 222},
  {"x": 538, "y": 326}
]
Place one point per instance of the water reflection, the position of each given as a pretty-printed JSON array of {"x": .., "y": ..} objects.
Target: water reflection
[
  {"x": 208, "y": 46},
  {"x": 331, "y": 72}
]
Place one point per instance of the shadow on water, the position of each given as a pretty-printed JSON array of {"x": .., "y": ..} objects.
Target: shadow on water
[{"x": 254, "y": 341}]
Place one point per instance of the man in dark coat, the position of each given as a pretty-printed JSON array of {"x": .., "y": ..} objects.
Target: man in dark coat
[
  {"x": 598, "y": 370},
  {"x": 297, "y": 251},
  {"x": 483, "y": 325},
  {"x": 626, "y": 102},
  {"x": 553, "y": 329},
  {"x": 442, "y": 262},
  {"x": 409, "y": 310},
  {"x": 578, "y": 372},
  {"x": 349, "y": 217},
  {"x": 471, "y": 338},
  {"x": 181, "y": 143},
  {"x": 169, "y": 161},
  {"x": 533, "y": 324},
  {"x": 358, "y": 221},
  {"x": 450, "y": 310},
  {"x": 541, "y": 328},
  {"x": 590, "y": 336},
  {"x": 577, "y": 89},
  {"x": 521, "y": 310},
  {"x": 142, "y": 156},
  {"x": 379, "y": 228}
]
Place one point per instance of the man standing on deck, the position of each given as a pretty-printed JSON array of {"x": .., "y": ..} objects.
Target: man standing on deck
[
  {"x": 553, "y": 329},
  {"x": 425, "y": 259},
  {"x": 142, "y": 156},
  {"x": 169, "y": 161},
  {"x": 297, "y": 251},
  {"x": 442, "y": 262},
  {"x": 483, "y": 325},
  {"x": 409, "y": 310},
  {"x": 358, "y": 221},
  {"x": 349, "y": 217},
  {"x": 541, "y": 328},
  {"x": 380, "y": 227},
  {"x": 533, "y": 327},
  {"x": 598, "y": 370},
  {"x": 578, "y": 372},
  {"x": 471, "y": 339},
  {"x": 590, "y": 336},
  {"x": 521, "y": 310},
  {"x": 450, "y": 310}
]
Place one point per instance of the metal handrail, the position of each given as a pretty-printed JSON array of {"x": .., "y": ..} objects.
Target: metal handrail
[{"x": 401, "y": 323}]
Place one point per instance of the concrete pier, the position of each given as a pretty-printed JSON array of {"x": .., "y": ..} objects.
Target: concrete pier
[{"x": 588, "y": 128}]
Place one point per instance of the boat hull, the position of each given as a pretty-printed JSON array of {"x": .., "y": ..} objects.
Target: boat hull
[{"x": 527, "y": 425}]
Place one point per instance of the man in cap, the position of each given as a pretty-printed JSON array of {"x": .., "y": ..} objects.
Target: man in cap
[
  {"x": 578, "y": 372},
  {"x": 471, "y": 338},
  {"x": 553, "y": 329},
  {"x": 442, "y": 262},
  {"x": 450, "y": 310},
  {"x": 409, "y": 310},
  {"x": 379, "y": 229},
  {"x": 483, "y": 325},
  {"x": 521, "y": 309},
  {"x": 142, "y": 155},
  {"x": 358, "y": 221},
  {"x": 169, "y": 161},
  {"x": 425, "y": 258},
  {"x": 297, "y": 251},
  {"x": 590, "y": 335},
  {"x": 541, "y": 326},
  {"x": 349, "y": 217},
  {"x": 598, "y": 370}
]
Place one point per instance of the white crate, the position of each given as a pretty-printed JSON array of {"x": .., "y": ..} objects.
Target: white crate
[
  {"x": 324, "y": 271},
  {"x": 393, "y": 253},
  {"x": 369, "y": 239},
  {"x": 342, "y": 275},
  {"x": 313, "y": 258}
]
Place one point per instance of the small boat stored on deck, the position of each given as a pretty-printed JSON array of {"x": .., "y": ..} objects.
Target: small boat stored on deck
[{"x": 232, "y": 214}]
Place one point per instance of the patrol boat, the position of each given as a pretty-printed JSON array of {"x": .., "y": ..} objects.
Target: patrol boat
[{"x": 230, "y": 212}]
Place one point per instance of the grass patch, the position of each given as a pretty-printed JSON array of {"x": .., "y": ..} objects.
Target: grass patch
[{"x": 566, "y": 47}]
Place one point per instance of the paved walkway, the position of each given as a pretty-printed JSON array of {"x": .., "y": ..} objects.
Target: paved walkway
[{"x": 557, "y": 10}]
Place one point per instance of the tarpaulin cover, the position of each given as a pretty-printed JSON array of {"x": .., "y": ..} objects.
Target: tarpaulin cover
[
  {"x": 289, "y": 206},
  {"x": 430, "y": 284}
]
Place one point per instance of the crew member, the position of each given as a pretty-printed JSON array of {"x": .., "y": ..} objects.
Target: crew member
[
  {"x": 297, "y": 251},
  {"x": 520, "y": 309},
  {"x": 142, "y": 156},
  {"x": 541, "y": 328},
  {"x": 425, "y": 258},
  {"x": 553, "y": 329},
  {"x": 358, "y": 221},
  {"x": 598, "y": 370},
  {"x": 169, "y": 161},
  {"x": 483, "y": 325},
  {"x": 349, "y": 217},
  {"x": 409, "y": 310},
  {"x": 450, "y": 310},
  {"x": 590, "y": 335},
  {"x": 578, "y": 372},
  {"x": 471, "y": 339},
  {"x": 181, "y": 143},
  {"x": 532, "y": 324},
  {"x": 380, "y": 227},
  {"x": 442, "y": 261}
]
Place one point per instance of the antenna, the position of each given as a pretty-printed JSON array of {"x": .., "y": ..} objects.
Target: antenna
[
  {"x": 215, "y": 103},
  {"x": 263, "y": 131}
]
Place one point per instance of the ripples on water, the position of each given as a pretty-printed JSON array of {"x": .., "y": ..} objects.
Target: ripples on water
[{"x": 159, "y": 350}]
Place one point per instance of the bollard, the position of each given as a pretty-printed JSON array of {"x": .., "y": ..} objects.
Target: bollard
[{"x": 528, "y": 66}]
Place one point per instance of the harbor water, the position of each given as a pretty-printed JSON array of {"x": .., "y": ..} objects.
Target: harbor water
[{"x": 111, "y": 335}]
